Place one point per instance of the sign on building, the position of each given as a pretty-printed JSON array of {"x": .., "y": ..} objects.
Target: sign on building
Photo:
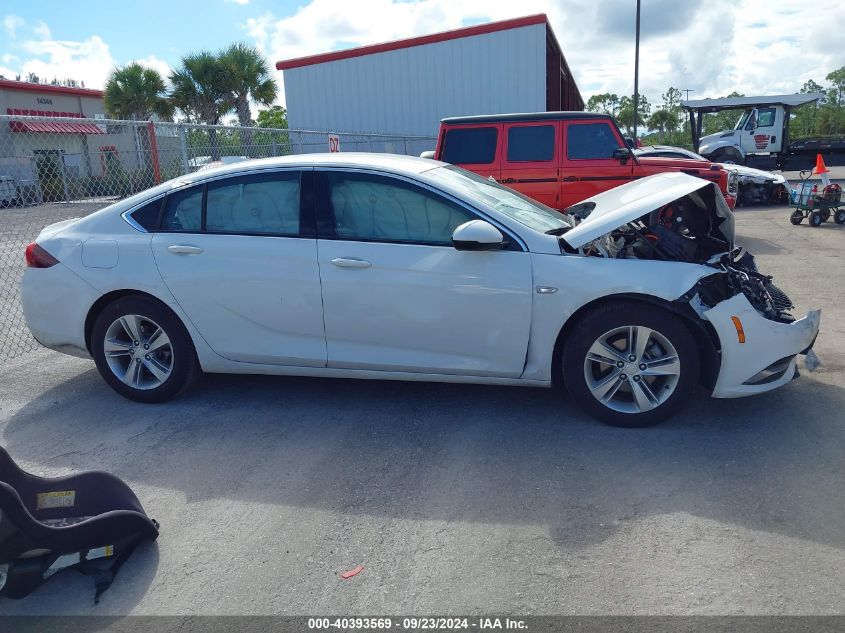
[{"x": 334, "y": 143}]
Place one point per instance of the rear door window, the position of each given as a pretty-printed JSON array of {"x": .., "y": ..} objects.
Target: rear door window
[
  {"x": 254, "y": 204},
  {"x": 590, "y": 141},
  {"x": 470, "y": 146},
  {"x": 531, "y": 143}
]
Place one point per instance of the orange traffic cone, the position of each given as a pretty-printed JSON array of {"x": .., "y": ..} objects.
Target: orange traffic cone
[{"x": 822, "y": 170}]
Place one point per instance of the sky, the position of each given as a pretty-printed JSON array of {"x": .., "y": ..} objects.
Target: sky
[{"x": 710, "y": 47}]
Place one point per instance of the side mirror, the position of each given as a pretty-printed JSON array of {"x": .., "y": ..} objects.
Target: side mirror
[
  {"x": 629, "y": 141},
  {"x": 622, "y": 154},
  {"x": 477, "y": 235}
]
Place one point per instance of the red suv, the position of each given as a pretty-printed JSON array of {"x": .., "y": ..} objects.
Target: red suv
[{"x": 558, "y": 158}]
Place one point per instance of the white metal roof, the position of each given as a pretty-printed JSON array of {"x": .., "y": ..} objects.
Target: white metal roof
[{"x": 741, "y": 102}]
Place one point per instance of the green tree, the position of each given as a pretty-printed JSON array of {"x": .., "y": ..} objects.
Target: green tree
[
  {"x": 625, "y": 115},
  {"x": 276, "y": 117},
  {"x": 137, "y": 93},
  {"x": 837, "y": 78},
  {"x": 804, "y": 121},
  {"x": 720, "y": 121},
  {"x": 248, "y": 74},
  {"x": 202, "y": 90},
  {"x": 665, "y": 121},
  {"x": 607, "y": 103},
  {"x": 672, "y": 99}
]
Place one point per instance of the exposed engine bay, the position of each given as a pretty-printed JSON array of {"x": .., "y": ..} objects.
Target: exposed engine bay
[{"x": 689, "y": 229}]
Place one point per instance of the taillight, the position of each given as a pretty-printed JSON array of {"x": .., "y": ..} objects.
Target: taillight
[{"x": 37, "y": 257}]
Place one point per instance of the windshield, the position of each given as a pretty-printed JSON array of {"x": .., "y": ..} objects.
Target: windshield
[
  {"x": 741, "y": 123},
  {"x": 506, "y": 201}
]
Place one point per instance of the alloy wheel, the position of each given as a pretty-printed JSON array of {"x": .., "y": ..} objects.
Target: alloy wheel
[
  {"x": 632, "y": 369},
  {"x": 138, "y": 351}
]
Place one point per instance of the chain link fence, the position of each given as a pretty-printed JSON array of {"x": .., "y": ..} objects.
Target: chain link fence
[{"x": 55, "y": 168}]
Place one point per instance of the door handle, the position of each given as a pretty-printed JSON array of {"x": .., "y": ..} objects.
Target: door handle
[
  {"x": 570, "y": 179},
  {"x": 350, "y": 262},
  {"x": 184, "y": 249}
]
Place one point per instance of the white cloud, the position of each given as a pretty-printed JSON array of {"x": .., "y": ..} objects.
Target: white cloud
[
  {"x": 708, "y": 46},
  {"x": 11, "y": 23},
  {"x": 156, "y": 63},
  {"x": 240, "y": 2},
  {"x": 89, "y": 60},
  {"x": 41, "y": 30},
  {"x": 35, "y": 51}
]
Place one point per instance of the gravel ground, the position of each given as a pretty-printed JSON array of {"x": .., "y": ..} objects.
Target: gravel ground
[{"x": 462, "y": 499}]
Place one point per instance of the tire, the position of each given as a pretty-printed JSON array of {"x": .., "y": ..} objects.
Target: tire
[
  {"x": 667, "y": 337},
  {"x": 169, "y": 367},
  {"x": 796, "y": 217},
  {"x": 816, "y": 218},
  {"x": 839, "y": 216}
]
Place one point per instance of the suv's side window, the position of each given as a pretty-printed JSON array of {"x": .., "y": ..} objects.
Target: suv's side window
[
  {"x": 183, "y": 211},
  {"x": 373, "y": 208},
  {"x": 255, "y": 204},
  {"x": 590, "y": 141},
  {"x": 470, "y": 146},
  {"x": 532, "y": 143}
]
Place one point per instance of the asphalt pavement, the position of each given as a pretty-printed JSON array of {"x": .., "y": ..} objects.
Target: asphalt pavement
[{"x": 459, "y": 498}]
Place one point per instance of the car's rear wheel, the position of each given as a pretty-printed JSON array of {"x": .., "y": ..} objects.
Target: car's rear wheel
[
  {"x": 142, "y": 349},
  {"x": 630, "y": 364}
]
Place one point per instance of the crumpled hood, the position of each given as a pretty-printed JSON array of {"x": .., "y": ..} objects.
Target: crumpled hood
[{"x": 616, "y": 207}]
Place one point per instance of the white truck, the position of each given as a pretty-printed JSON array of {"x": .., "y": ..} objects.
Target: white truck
[{"x": 761, "y": 135}]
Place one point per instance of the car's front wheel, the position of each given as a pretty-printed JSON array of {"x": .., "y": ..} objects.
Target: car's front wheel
[
  {"x": 630, "y": 364},
  {"x": 142, "y": 349}
]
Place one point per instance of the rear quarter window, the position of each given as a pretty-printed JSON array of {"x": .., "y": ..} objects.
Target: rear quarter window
[
  {"x": 470, "y": 146},
  {"x": 147, "y": 216}
]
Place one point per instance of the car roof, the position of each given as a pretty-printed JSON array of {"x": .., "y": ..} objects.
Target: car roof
[
  {"x": 522, "y": 116},
  {"x": 401, "y": 164}
]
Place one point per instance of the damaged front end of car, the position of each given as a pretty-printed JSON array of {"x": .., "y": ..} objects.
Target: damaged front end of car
[{"x": 679, "y": 218}]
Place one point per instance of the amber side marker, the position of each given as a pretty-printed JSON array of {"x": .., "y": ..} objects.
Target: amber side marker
[{"x": 740, "y": 333}]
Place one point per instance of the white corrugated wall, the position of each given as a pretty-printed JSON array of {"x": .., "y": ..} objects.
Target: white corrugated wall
[{"x": 408, "y": 91}]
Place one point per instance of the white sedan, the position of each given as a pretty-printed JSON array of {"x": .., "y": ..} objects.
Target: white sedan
[{"x": 388, "y": 267}]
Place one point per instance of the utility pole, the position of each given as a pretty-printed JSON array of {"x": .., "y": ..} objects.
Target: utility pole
[
  {"x": 637, "y": 75},
  {"x": 687, "y": 90}
]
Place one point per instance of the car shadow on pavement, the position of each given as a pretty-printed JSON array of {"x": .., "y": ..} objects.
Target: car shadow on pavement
[{"x": 468, "y": 453}]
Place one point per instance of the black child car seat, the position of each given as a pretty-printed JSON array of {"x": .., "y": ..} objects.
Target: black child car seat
[{"x": 90, "y": 522}]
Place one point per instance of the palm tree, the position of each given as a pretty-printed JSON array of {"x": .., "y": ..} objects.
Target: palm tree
[
  {"x": 136, "y": 92},
  {"x": 201, "y": 88},
  {"x": 249, "y": 76}
]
